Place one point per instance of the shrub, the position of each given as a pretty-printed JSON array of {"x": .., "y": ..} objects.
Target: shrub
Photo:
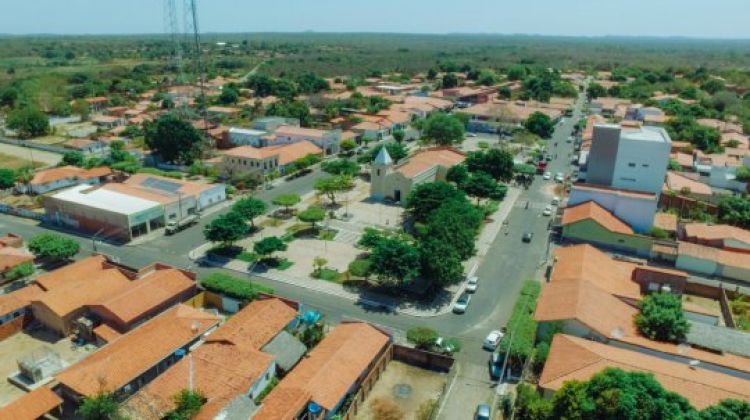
[
  {"x": 422, "y": 337},
  {"x": 360, "y": 268},
  {"x": 662, "y": 318},
  {"x": 522, "y": 325},
  {"x": 21, "y": 270},
  {"x": 233, "y": 287}
]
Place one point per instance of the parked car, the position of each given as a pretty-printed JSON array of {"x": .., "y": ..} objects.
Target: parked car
[
  {"x": 471, "y": 134},
  {"x": 495, "y": 366},
  {"x": 547, "y": 176},
  {"x": 547, "y": 211},
  {"x": 482, "y": 413},
  {"x": 560, "y": 177},
  {"x": 472, "y": 283},
  {"x": 492, "y": 340},
  {"x": 462, "y": 303},
  {"x": 555, "y": 200},
  {"x": 527, "y": 237}
]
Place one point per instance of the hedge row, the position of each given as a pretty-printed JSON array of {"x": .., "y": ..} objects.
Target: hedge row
[
  {"x": 233, "y": 287},
  {"x": 522, "y": 326}
]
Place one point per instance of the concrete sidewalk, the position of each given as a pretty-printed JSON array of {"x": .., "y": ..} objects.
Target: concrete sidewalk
[{"x": 441, "y": 305}]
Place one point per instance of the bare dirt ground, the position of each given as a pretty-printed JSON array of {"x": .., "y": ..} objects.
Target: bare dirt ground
[
  {"x": 425, "y": 386},
  {"x": 27, "y": 154}
]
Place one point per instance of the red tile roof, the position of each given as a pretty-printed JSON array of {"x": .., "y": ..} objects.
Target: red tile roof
[
  {"x": 425, "y": 160},
  {"x": 256, "y": 324},
  {"x": 591, "y": 210},
  {"x": 31, "y": 406},
  {"x": 123, "y": 360}
]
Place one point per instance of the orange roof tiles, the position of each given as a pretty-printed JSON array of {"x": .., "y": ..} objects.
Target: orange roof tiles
[
  {"x": 33, "y": 405},
  {"x": 56, "y": 174},
  {"x": 106, "y": 333},
  {"x": 588, "y": 304},
  {"x": 283, "y": 403},
  {"x": 73, "y": 272},
  {"x": 666, "y": 221},
  {"x": 422, "y": 161},
  {"x": 19, "y": 299},
  {"x": 586, "y": 263},
  {"x": 573, "y": 358},
  {"x": 256, "y": 324},
  {"x": 720, "y": 256},
  {"x": 677, "y": 182},
  {"x": 289, "y": 153},
  {"x": 250, "y": 152},
  {"x": 11, "y": 257},
  {"x": 123, "y": 360},
  {"x": 704, "y": 232},
  {"x": 592, "y": 210},
  {"x": 332, "y": 367},
  {"x": 291, "y": 131},
  {"x": 143, "y": 295},
  {"x": 220, "y": 371}
]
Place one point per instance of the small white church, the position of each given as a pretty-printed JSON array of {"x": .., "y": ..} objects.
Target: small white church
[{"x": 395, "y": 181}]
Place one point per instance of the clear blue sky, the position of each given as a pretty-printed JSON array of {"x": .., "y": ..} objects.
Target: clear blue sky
[{"x": 693, "y": 18}]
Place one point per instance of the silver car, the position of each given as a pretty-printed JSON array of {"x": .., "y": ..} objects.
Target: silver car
[
  {"x": 482, "y": 413},
  {"x": 472, "y": 283},
  {"x": 462, "y": 303}
]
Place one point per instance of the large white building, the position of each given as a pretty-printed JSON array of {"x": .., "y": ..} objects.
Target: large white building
[{"x": 629, "y": 158}]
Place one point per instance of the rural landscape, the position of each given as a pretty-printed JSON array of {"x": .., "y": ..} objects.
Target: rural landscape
[{"x": 364, "y": 224}]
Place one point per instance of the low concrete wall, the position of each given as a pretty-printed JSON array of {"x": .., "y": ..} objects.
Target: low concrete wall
[{"x": 422, "y": 359}]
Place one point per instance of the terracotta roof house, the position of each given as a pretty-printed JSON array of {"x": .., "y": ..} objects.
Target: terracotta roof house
[
  {"x": 334, "y": 369},
  {"x": 678, "y": 183},
  {"x": 15, "y": 312},
  {"x": 713, "y": 261},
  {"x": 587, "y": 263},
  {"x": 86, "y": 146},
  {"x": 589, "y": 222},
  {"x": 728, "y": 237},
  {"x": 12, "y": 240},
  {"x": 328, "y": 140},
  {"x": 11, "y": 254},
  {"x": 394, "y": 180},
  {"x": 572, "y": 358},
  {"x": 53, "y": 179},
  {"x": 228, "y": 366},
  {"x": 144, "y": 298},
  {"x": 36, "y": 404},
  {"x": 136, "y": 358}
]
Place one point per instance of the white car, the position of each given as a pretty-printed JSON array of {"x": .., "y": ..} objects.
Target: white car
[
  {"x": 560, "y": 177},
  {"x": 492, "y": 340},
  {"x": 547, "y": 176},
  {"x": 472, "y": 283},
  {"x": 471, "y": 135},
  {"x": 462, "y": 303},
  {"x": 547, "y": 211},
  {"x": 555, "y": 200}
]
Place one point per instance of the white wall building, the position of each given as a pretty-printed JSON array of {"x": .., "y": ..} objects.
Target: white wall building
[
  {"x": 633, "y": 159},
  {"x": 246, "y": 136},
  {"x": 637, "y": 209}
]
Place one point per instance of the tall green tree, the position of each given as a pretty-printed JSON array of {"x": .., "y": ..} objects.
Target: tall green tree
[
  {"x": 227, "y": 229},
  {"x": 28, "y": 122},
  {"x": 425, "y": 198},
  {"x": 250, "y": 208},
  {"x": 480, "y": 185},
  {"x": 268, "y": 246},
  {"x": 53, "y": 246},
  {"x": 662, "y": 318},
  {"x": 187, "y": 405},
  {"x": 443, "y": 129},
  {"x": 441, "y": 262},
  {"x": 287, "y": 200},
  {"x": 312, "y": 215},
  {"x": 395, "y": 261},
  {"x": 334, "y": 185},
  {"x": 540, "y": 124},
  {"x": 450, "y": 80},
  {"x": 173, "y": 139},
  {"x": 73, "y": 157},
  {"x": 495, "y": 162},
  {"x": 341, "y": 167}
]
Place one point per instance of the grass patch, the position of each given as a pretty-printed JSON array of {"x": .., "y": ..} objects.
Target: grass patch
[
  {"x": 267, "y": 390},
  {"x": 249, "y": 257},
  {"x": 327, "y": 234},
  {"x": 277, "y": 263},
  {"x": 283, "y": 265},
  {"x": 272, "y": 222},
  {"x": 483, "y": 145},
  {"x": 329, "y": 274},
  {"x": 15, "y": 162}
]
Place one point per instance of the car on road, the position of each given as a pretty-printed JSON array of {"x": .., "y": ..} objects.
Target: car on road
[
  {"x": 472, "y": 283},
  {"x": 462, "y": 303},
  {"x": 560, "y": 177},
  {"x": 527, "y": 237},
  {"x": 547, "y": 176},
  {"x": 555, "y": 200},
  {"x": 569, "y": 140},
  {"x": 482, "y": 413},
  {"x": 495, "y": 366},
  {"x": 547, "y": 211},
  {"x": 471, "y": 134},
  {"x": 492, "y": 340}
]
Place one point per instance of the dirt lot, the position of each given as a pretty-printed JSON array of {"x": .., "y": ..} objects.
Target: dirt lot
[
  {"x": 424, "y": 386},
  {"x": 14, "y": 157},
  {"x": 21, "y": 344}
]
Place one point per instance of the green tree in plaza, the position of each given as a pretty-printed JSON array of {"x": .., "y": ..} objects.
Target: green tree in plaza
[
  {"x": 397, "y": 151},
  {"x": 399, "y": 135},
  {"x": 341, "y": 167},
  {"x": 312, "y": 215},
  {"x": 334, "y": 185},
  {"x": 267, "y": 246},
  {"x": 227, "y": 229},
  {"x": 395, "y": 261},
  {"x": 443, "y": 129},
  {"x": 662, "y": 318},
  {"x": 441, "y": 262},
  {"x": 495, "y": 162},
  {"x": 287, "y": 200},
  {"x": 250, "y": 208},
  {"x": 540, "y": 124},
  {"x": 480, "y": 185},
  {"x": 28, "y": 122},
  {"x": 53, "y": 246},
  {"x": 457, "y": 174},
  {"x": 173, "y": 139},
  {"x": 427, "y": 197}
]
